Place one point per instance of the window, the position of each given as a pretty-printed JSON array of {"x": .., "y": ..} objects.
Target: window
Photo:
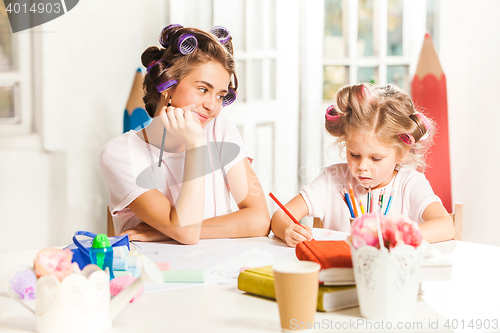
[
  {"x": 366, "y": 41},
  {"x": 15, "y": 79}
]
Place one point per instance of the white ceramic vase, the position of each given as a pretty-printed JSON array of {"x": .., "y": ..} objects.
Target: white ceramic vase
[
  {"x": 77, "y": 304},
  {"x": 387, "y": 281}
]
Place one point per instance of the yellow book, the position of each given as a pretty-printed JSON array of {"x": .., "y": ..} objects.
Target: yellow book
[{"x": 260, "y": 282}]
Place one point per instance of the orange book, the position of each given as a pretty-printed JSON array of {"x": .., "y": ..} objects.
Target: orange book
[{"x": 334, "y": 257}]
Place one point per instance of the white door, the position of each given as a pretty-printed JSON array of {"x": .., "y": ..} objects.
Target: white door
[{"x": 266, "y": 46}]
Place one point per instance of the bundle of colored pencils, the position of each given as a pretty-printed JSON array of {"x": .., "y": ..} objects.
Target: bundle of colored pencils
[{"x": 350, "y": 200}]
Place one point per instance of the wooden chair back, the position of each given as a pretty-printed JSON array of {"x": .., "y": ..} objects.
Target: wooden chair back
[
  {"x": 111, "y": 226},
  {"x": 457, "y": 216}
]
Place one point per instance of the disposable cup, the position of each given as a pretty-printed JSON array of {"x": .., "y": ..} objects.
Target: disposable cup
[{"x": 296, "y": 288}]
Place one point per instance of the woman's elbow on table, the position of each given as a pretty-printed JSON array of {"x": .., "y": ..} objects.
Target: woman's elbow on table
[
  {"x": 188, "y": 239},
  {"x": 260, "y": 224}
]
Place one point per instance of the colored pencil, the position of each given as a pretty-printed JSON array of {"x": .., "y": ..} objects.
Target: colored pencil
[
  {"x": 353, "y": 200},
  {"x": 381, "y": 198},
  {"x": 285, "y": 210},
  {"x": 361, "y": 207},
  {"x": 343, "y": 198},
  {"x": 348, "y": 203},
  {"x": 389, "y": 203},
  {"x": 162, "y": 146},
  {"x": 368, "y": 200},
  {"x": 372, "y": 204}
]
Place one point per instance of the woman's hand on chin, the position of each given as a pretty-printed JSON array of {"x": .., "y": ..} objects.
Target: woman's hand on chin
[{"x": 184, "y": 124}]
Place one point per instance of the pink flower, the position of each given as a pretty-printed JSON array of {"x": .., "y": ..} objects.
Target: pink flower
[
  {"x": 56, "y": 262},
  {"x": 364, "y": 231},
  {"x": 410, "y": 232},
  {"x": 396, "y": 230}
]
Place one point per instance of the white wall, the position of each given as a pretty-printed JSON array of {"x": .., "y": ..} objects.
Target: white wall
[
  {"x": 84, "y": 67},
  {"x": 470, "y": 56}
]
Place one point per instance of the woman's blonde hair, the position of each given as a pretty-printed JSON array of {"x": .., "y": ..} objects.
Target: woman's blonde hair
[{"x": 387, "y": 112}]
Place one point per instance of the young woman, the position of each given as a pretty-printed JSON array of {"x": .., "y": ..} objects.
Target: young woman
[{"x": 183, "y": 191}]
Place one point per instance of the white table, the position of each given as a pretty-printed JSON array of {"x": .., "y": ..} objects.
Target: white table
[{"x": 474, "y": 294}]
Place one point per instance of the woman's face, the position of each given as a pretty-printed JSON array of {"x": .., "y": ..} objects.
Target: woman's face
[{"x": 202, "y": 90}]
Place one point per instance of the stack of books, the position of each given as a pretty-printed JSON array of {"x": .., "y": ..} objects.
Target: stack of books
[{"x": 260, "y": 282}]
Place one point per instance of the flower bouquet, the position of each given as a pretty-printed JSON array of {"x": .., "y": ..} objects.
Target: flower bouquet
[
  {"x": 67, "y": 299},
  {"x": 72, "y": 300},
  {"x": 386, "y": 262}
]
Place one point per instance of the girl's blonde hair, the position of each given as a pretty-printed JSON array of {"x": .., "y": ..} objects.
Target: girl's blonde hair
[{"x": 387, "y": 112}]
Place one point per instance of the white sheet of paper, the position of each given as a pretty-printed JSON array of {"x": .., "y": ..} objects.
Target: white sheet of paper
[
  {"x": 327, "y": 234},
  {"x": 221, "y": 259}
]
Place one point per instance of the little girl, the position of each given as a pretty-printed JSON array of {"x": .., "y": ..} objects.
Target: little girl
[
  {"x": 174, "y": 178},
  {"x": 385, "y": 140}
]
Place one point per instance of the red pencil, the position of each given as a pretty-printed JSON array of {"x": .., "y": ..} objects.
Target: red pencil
[{"x": 285, "y": 210}]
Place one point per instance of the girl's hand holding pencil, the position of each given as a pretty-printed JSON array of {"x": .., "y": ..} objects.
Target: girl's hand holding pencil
[{"x": 295, "y": 233}]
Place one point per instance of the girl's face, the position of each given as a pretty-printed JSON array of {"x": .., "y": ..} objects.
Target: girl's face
[
  {"x": 204, "y": 89},
  {"x": 371, "y": 162}
]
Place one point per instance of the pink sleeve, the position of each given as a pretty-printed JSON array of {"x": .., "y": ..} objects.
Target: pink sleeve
[
  {"x": 227, "y": 134},
  {"x": 118, "y": 172},
  {"x": 315, "y": 196},
  {"x": 420, "y": 194}
]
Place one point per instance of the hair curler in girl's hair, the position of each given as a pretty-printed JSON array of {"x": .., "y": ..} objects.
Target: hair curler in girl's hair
[
  {"x": 409, "y": 138},
  {"x": 221, "y": 33},
  {"x": 165, "y": 85},
  {"x": 164, "y": 41},
  {"x": 229, "y": 98},
  {"x": 426, "y": 123},
  {"x": 186, "y": 44},
  {"x": 331, "y": 113}
]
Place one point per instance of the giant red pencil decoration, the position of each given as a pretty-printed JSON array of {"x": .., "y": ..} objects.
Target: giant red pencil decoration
[{"x": 429, "y": 93}]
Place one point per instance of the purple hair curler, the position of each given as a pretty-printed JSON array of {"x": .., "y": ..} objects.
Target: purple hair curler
[
  {"x": 166, "y": 85},
  {"x": 186, "y": 44},
  {"x": 154, "y": 63},
  {"x": 334, "y": 116},
  {"x": 221, "y": 33},
  {"x": 229, "y": 98},
  {"x": 165, "y": 42}
]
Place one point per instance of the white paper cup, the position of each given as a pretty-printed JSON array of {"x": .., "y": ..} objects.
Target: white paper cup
[{"x": 296, "y": 288}]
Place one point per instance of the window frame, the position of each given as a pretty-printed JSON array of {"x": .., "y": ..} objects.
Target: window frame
[
  {"x": 381, "y": 61},
  {"x": 21, "y": 75}
]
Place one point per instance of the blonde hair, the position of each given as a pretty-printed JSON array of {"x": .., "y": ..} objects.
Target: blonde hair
[{"x": 387, "y": 112}]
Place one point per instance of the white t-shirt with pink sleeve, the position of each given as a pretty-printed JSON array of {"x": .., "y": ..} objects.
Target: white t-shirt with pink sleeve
[
  {"x": 412, "y": 194},
  {"x": 129, "y": 166}
]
